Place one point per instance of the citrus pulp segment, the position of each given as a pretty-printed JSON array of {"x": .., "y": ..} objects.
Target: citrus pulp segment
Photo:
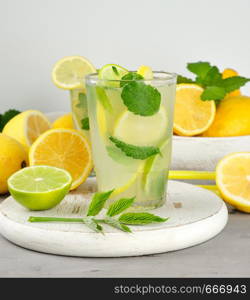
[
  {"x": 233, "y": 179},
  {"x": 27, "y": 126},
  {"x": 192, "y": 116},
  {"x": 64, "y": 148}
]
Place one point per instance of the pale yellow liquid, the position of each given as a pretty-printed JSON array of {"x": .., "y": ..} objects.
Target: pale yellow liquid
[{"x": 114, "y": 170}]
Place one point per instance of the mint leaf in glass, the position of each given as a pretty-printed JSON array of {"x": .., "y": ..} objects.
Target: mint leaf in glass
[
  {"x": 85, "y": 123},
  {"x": 136, "y": 152},
  {"x": 82, "y": 100},
  {"x": 97, "y": 202},
  {"x": 129, "y": 77},
  {"x": 140, "y": 218},
  {"x": 140, "y": 98}
]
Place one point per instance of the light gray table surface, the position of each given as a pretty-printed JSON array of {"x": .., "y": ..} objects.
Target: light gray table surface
[{"x": 226, "y": 255}]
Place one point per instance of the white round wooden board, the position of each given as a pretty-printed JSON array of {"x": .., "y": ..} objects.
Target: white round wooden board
[{"x": 196, "y": 215}]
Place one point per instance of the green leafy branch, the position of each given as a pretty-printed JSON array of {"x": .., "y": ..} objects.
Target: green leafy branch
[
  {"x": 210, "y": 78},
  {"x": 97, "y": 204}
]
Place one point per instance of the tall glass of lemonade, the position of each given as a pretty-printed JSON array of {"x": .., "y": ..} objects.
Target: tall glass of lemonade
[{"x": 131, "y": 122}]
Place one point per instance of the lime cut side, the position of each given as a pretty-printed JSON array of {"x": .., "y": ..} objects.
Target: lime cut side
[
  {"x": 39, "y": 187},
  {"x": 112, "y": 72},
  {"x": 139, "y": 130}
]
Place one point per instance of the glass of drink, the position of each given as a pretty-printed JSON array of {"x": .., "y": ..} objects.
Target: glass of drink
[{"x": 131, "y": 135}]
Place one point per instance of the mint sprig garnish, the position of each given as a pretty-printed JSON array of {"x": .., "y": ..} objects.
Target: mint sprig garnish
[
  {"x": 140, "y": 98},
  {"x": 140, "y": 218},
  {"x": 116, "y": 208},
  {"x": 210, "y": 78},
  {"x": 98, "y": 202},
  {"x": 129, "y": 77},
  {"x": 82, "y": 100},
  {"x": 137, "y": 152},
  {"x": 85, "y": 123}
]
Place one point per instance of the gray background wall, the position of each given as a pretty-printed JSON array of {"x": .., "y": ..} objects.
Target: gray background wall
[{"x": 164, "y": 34}]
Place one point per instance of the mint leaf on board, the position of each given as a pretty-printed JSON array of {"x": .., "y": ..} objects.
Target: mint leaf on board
[
  {"x": 7, "y": 116},
  {"x": 136, "y": 152},
  {"x": 92, "y": 224},
  {"x": 85, "y": 123},
  {"x": 119, "y": 206},
  {"x": 82, "y": 100},
  {"x": 140, "y": 218},
  {"x": 183, "y": 79},
  {"x": 199, "y": 68},
  {"x": 129, "y": 77},
  {"x": 213, "y": 93},
  {"x": 116, "y": 224},
  {"x": 141, "y": 99},
  {"x": 97, "y": 202},
  {"x": 234, "y": 83},
  {"x": 103, "y": 98}
]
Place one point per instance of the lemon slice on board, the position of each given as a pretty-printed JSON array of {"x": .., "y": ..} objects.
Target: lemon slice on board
[
  {"x": 69, "y": 72},
  {"x": 233, "y": 179},
  {"x": 192, "y": 116},
  {"x": 64, "y": 148}
]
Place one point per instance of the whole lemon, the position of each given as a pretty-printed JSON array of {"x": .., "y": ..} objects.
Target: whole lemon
[
  {"x": 64, "y": 121},
  {"x": 231, "y": 73},
  {"x": 13, "y": 157},
  {"x": 232, "y": 118}
]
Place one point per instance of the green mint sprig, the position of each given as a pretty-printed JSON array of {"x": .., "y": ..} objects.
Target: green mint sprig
[
  {"x": 140, "y": 98},
  {"x": 96, "y": 205},
  {"x": 210, "y": 78},
  {"x": 137, "y": 152},
  {"x": 82, "y": 100}
]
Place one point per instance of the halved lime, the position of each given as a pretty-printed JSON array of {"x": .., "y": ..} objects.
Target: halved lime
[
  {"x": 112, "y": 72},
  {"x": 155, "y": 171},
  {"x": 139, "y": 130},
  {"x": 39, "y": 187}
]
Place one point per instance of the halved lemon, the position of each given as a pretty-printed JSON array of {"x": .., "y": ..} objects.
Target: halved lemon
[
  {"x": 141, "y": 131},
  {"x": 64, "y": 148},
  {"x": 233, "y": 179},
  {"x": 27, "y": 126},
  {"x": 192, "y": 116},
  {"x": 69, "y": 72}
]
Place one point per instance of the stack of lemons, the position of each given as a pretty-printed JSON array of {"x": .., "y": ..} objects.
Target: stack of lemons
[{"x": 195, "y": 117}]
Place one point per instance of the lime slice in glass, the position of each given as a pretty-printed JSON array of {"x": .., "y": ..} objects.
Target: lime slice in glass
[
  {"x": 156, "y": 170},
  {"x": 112, "y": 72},
  {"x": 39, "y": 187},
  {"x": 139, "y": 130}
]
